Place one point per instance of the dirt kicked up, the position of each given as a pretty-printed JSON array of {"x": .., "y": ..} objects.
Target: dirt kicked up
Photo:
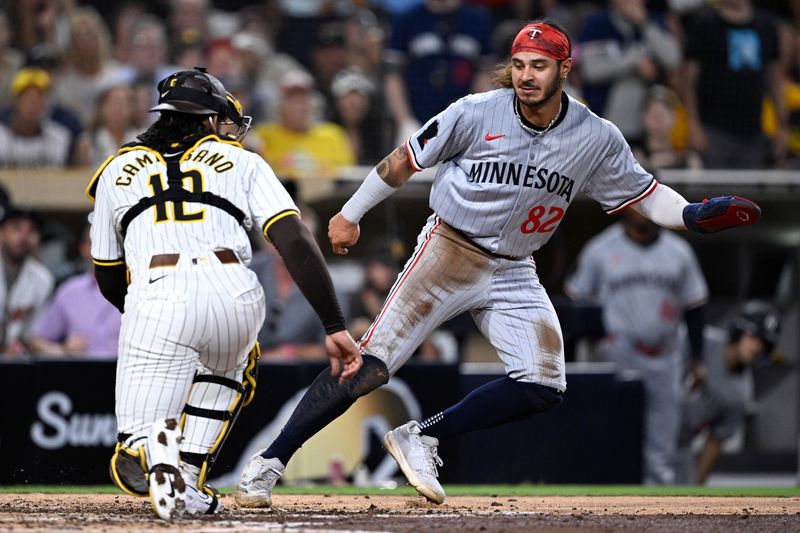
[{"x": 300, "y": 513}]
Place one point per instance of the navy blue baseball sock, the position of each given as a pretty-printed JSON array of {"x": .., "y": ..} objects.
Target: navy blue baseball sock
[
  {"x": 495, "y": 403},
  {"x": 322, "y": 403}
]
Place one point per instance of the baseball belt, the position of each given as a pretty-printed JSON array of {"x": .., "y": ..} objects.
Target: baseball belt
[{"x": 225, "y": 256}]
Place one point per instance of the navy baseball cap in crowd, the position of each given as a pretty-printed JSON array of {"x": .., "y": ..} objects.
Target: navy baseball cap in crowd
[{"x": 22, "y": 213}]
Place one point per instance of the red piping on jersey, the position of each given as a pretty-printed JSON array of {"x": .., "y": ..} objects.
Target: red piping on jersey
[
  {"x": 634, "y": 200},
  {"x": 409, "y": 152},
  {"x": 398, "y": 284}
]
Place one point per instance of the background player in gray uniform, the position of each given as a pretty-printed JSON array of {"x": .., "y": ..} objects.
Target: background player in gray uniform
[
  {"x": 25, "y": 283},
  {"x": 512, "y": 160},
  {"x": 718, "y": 403},
  {"x": 646, "y": 281},
  {"x": 174, "y": 209}
]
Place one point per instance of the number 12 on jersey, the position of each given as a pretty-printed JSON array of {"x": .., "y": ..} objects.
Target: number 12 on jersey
[
  {"x": 195, "y": 185},
  {"x": 535, "y": 224}
]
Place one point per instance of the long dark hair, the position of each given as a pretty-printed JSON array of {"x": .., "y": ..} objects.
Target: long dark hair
[{"x": 171, "y": 128}]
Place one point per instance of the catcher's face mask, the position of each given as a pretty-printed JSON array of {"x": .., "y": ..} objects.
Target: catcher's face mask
[{"x": 235, "y": 124}]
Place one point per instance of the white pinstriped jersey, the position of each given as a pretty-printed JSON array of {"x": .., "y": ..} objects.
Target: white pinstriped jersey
[
  {"x": 221, "y": 167},
  {"x": 507, "y": 187}
]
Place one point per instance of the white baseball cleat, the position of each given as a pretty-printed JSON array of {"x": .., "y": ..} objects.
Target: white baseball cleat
[
  {"x": 200, "y": 502},
  {"x": 167, "y": 487},
  {"x": 257, "y": 481},
  {"x": 416, "y": 455}
]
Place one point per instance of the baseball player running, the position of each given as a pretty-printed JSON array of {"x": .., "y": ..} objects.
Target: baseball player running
[
  {"x": 173, "y": 209},
  {"x": 512, "y": 160}
]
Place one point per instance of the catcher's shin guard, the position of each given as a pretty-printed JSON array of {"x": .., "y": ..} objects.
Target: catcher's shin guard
[
  {"x": 128, "y": 465},
  {"x": 212, "y": 409}
]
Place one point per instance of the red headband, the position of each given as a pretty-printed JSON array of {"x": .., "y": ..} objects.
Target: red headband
[{"x": 543, "y": 39}]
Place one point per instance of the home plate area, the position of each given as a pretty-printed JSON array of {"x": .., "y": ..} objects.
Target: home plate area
[{"x": 110, "y": 512}]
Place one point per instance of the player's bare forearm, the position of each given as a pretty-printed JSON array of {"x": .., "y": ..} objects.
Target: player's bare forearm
[{"x": 395, "y": 169}]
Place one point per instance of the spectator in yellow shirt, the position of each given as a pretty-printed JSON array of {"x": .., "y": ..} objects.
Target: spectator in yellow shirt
[
  {"x": 297, "y": 147},
  {"x": 770, "y": 123}
]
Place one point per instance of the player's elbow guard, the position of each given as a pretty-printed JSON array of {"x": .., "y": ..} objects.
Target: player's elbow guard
[{"x": 720, "y": 213}]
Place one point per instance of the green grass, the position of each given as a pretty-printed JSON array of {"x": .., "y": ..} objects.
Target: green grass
[{"x": 466, "y": 490}]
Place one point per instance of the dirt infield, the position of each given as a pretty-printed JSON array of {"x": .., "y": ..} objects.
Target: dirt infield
[{"x": 108, "y": 512}]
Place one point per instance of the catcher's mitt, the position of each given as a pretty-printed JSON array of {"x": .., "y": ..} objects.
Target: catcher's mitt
[{"x": 720, "y": 213}]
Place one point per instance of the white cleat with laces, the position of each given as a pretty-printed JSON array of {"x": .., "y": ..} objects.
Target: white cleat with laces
[
  {"x": 257, "y": 481},
  {"x": 416, "y": 455}
]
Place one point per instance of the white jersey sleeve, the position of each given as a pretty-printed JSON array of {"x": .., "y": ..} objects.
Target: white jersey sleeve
[
  {"x": 106, "y": 243},
  {"x": 268, "y": 199},
  {"x": 619, "y": 180},
  {"x": 441, "y": 138}
]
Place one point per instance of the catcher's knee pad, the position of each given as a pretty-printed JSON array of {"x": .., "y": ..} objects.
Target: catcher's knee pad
[
  {"x": 128, "y": 466},
  {"x": 209, "y": 414}
]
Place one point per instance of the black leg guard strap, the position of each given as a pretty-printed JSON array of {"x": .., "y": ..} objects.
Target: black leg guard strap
[
  {"x": 242, "y": 392},
  {"x": 324, "y": 401}
]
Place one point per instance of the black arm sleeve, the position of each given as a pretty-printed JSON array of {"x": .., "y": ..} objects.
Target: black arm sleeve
[
  {"x": 695, "y": 322},
  {"x": 305, "y": 263},
  {"x": 113, "y": 283}
]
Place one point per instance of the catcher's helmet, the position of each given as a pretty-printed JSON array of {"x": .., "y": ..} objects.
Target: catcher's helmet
[
  {"x": 195, "y": 92},
  {"x": 234, "y": 114},
  {"x": 759, "y": 319}
]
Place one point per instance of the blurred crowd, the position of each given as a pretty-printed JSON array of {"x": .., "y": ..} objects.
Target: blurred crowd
[{"x": 336, "y": 83}]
